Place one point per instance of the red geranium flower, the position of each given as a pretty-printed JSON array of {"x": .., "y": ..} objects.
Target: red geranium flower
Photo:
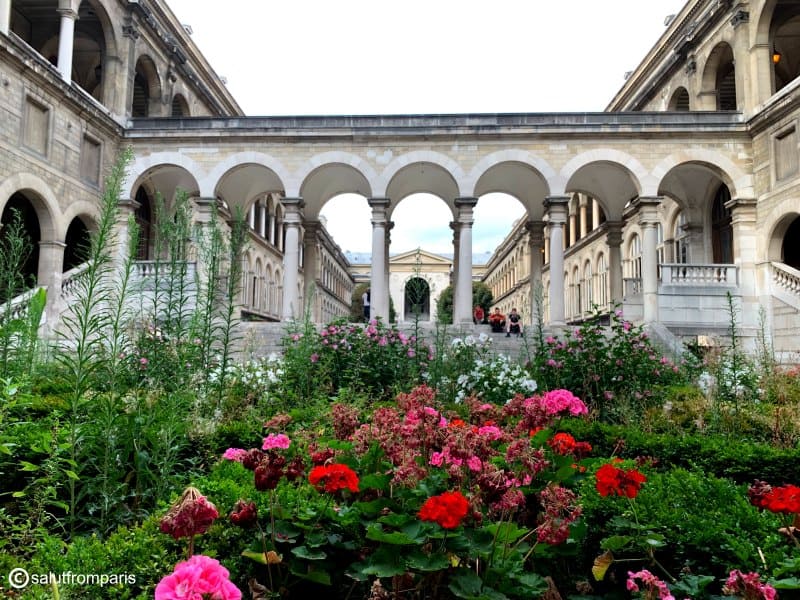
[
  {"x": 191, "y": 515},
  {"x": 333, "y": 478},
  {"x": 614, "y": 481},
  {"x": 447, "y": 509},
  {"x": 784, "y": 499}
]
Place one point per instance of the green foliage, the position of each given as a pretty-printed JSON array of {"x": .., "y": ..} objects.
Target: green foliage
[
  {"x": 374, "y": 358},
  {"x": 685, "y": 520},
  {"x": 617, "y": 371},
  {"x": 481, "y": 295}
]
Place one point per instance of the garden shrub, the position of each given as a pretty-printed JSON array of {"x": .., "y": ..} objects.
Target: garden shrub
[
  {"x": 696, "y": 523},
  {"x": 717, "y": 455},
  {"x": 617, "y": 370}
]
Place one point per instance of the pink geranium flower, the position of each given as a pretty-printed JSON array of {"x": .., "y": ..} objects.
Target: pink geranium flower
[
  {"x": 276, "y": 440},
  {"x": 198, "y": 577}
]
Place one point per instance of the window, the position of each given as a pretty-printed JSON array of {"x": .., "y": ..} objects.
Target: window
[
  {"x": 786, "y": 156},
  {"x": 90, "y": 160},
  {"x": 36, "y": 133}
]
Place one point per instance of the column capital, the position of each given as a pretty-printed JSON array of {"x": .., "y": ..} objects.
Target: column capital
[
  {"x": 556, "y": 208},
  {"x": 128, "y": 205},
  {"x": 465, "y": 201},
  {"x": 68, "y": 12},
  {"x": 312, "y": 228},
  {"x": 535, "y": 231},
  {"x": 293, "y": 204},
  {"x": 647, "y": 209},
  {"x": 614, "y": 233},
  {"x": 743, "y": 210},
  {"x": 378, "y": 202}
]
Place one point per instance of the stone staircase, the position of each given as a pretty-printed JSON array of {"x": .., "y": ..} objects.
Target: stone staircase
[{"x": 258, "y": 339}]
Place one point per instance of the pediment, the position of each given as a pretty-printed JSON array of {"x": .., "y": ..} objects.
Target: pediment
[{"x": 424, "y": 257}]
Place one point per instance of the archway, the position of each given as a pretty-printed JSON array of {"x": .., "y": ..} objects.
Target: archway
[
  {"x": 20, "y": 205},
  {"x": 679, "y": 101},
  {"x": 417, "y": 300},
  {"x": 77, "y": 244},
  {"x": 790, "y": 249},
  {"x": 144, "y": 220}
]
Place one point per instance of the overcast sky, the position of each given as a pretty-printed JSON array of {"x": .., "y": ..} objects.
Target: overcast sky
[{"x": 319, "y": 57}]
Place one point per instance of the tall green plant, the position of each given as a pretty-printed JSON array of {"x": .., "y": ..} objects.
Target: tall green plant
[
  {"x": 15, "y": 249},
  {"x": 84, "y": 327}
]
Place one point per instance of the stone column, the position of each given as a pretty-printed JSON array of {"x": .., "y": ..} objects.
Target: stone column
[
  {"x": 291, "y": 258},
  {"x": 648, "y": 220},
  {"x": 389, "y": 227},
  {"x": 51, "y": 265},
  {"x": 454, "y": 225},
  {"x": 745, "y": 85},
  {"x": 595, "y": 214},
  {"x": 5, "y": 16},
  {"x": 556, "y": 209},
  {"x": 311, "y": 265},
  {"x": 66, "y": 41},
  {"x": 572, "y": 229},
  {"x": 582, "y": 203},
  {"x": 745, "y": 256},
  {"x": 535, "y": 256},
  {"x": 262, "y": 217},
  {"x": 614, "y": 241},
  {"x": 379, "y": 297},
  {"x": 462, "y": 308}
]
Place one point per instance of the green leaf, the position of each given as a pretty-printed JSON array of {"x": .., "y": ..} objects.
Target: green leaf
[
  {"x": 72, "y": 475},
  {"x": 376, "y": 533},
  {"x": 419, "y": 561},
  {"x": 386, "y": 562},
  {"x": 506, "y": 533},
  {"x": 26, "y": 466},
  {"x": 304, "y": 552},
  {"x": 656, "y": 540},
  {"x": 790, "y": 583},
  {"x": 259, "y": 557},
  {"x": 615, "y": 542},
  {"x": 375, "y": 481},
  {"x": 535, "y": 585}
]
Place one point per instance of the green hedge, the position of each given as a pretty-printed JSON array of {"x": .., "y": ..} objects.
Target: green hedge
[{"x": 721, "y": 456}]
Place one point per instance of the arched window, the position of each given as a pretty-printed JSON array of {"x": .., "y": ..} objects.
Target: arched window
[
  {"x": 144, "y": 220},
  {"x": 601, "y": 284},
  {"x": 680, "y": 236},
  {"x": 588, "y": 296},
  {"x": 679, "y": 101},
  {"x": 179, "y": 108}
]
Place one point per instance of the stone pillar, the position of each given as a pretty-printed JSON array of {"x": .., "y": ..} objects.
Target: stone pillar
[
  {"x": 66, "y": 41},
  {"x": 462, "y": 308},
  {"x": 582, "y": 202},
  {"x": 262, "y": 217},
  {"x": 556, "y": 209},
  {"x": 745, "y": 85},
  {"x": 614, "y": 241},
  {"x": 311, "y": 265},
  {"x": 386, "y": 270},
  {"x": 595, "y": 214},
  {"x": 535, "y": 256},
  {"x": 5, "y": 16},
  {"x": 291, "y": 258},
  {"x": 572, "y": 230},
  {"x": 454, "y": 225},
  {"x": 51, "y": 265},
  {"x": 745, "y": 256},
  {"x": 379, "y": 296},
  {"x": 648, "y": 220}
]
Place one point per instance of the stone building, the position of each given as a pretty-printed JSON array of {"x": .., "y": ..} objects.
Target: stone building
[{"x": 684, "y": 190}]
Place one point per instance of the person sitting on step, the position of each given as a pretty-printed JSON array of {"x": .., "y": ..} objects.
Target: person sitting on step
[
  {"x": 514, "y": 323},
  {"x": 497, "y": 320}
]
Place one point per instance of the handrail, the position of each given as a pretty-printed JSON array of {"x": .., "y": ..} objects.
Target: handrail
[
  {"x": 699, "y": 274},
  {"x": 786, "y": 277}
]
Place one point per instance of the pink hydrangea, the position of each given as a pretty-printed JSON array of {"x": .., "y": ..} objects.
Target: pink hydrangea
[
  {"x": 235, "y": 454},
  {"x": 198, "y": 577},
  {"x": 276, "y": 440}
]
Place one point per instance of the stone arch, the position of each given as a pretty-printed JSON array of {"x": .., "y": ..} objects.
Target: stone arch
[
  {"x": 406, "y": 175},
  {"x": 146, "y": 95},
  {"x": 517, "y": 173},
  {"x": 719, "y": 79},
  {"x": 739, "y": 183},
  {"x": 416, "y": 299},
  {"x": 142, "y": 169},
  {"x": 679, "y": 101},
  {"x": 271, "y": 175},
  {"x": 777, "y": 30},
  {"x": 41, "y": 197},
  {"x": 334, "y": 173},
  {"x": 783, "y": 236},
  {"x": 80, "y": 220},
  {"x": 611, "y": 177}
]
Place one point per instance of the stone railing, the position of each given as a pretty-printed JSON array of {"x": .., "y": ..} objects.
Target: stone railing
[
  {"x": 16, "y": 307},
  {"x": 699, "y": 275},
  {"x": 786, "y": 278},
  {"x": 70, "y": 281}
]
